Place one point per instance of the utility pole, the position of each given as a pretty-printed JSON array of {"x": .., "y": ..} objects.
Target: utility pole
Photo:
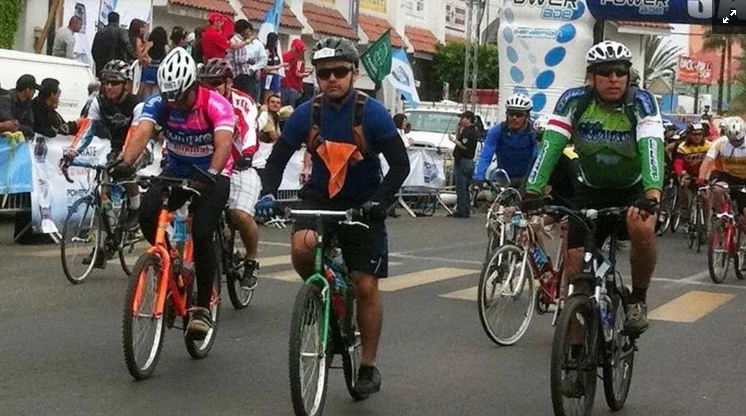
[{"x": 474, "y": 14}]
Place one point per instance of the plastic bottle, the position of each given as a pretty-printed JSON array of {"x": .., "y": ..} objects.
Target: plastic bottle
[
  {"x": 541, "y": 260},
  {"x": 607, "y": 322},
  {"x": 333, "y": 278},
  {"x": 180, "y": 232}
]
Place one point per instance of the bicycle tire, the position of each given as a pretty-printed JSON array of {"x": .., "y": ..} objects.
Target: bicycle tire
[
  {"x": 199, "y": 349},
  {"x": 137, "y": 371},
  {"x": 351, "y": 357},
  {"x": 576, "y": 304},
  {"x": 739, "y": 259},
  {"x": 67, "y": 228},
  {"x": 668, "y": 203},
  {"x": 701, "y": 228},
  {"x": 126, "y": 246},
  {"x": 235, "y": 263},
  {"x": 616, "y": 390},
  {"x": 717, "y": 239},
  {"x": 487, "y": 285},
  {"x": 308, "y": 304}
]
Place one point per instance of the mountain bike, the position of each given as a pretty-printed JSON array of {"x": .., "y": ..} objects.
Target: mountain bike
[
  {"x": 102, "y": 210},
  {"x": 697, "y": 220},
  {"x": 233, "y": 263},
  {"x": 324, "y": 320},
  {"x": 506, "y": 296},
  {"x": 669, "y": 202},
  {"x": 507, "y": 201},
  {"x": 728, "y": 240},
  {"x": 162, "y": 289},
  {"x": 590, "y": 331}
]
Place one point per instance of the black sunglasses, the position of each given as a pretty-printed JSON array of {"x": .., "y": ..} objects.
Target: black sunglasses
[
  {"x": 338, "y": 71},
  {"x": 516, "y": 114},
  {"x": 606, "y": 71},
  {"x": 113, "y": 82}
]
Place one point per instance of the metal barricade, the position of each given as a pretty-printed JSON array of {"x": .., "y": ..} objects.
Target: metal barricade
[{"x": 15, "y": 203}]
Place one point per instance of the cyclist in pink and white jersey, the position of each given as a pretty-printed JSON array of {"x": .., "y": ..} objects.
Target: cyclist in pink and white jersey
[
  {"x": 198, "y": 125},
  {"x": 216, "y": 74}
]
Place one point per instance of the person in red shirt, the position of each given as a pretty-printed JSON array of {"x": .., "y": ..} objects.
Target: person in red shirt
[
  {"x": 215, "y": 41},
  {"x": 292, "y": 84}
]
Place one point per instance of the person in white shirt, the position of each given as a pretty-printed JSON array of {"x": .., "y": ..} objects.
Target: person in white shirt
[
  {"x": 400, "y": 120},
  {"x": 248, "y": 61},
  {"x": 64, "y": 39}
]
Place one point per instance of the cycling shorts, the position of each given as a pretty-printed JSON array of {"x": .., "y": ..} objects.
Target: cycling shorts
[
  {"x": 587, "y": 197},
  {"x": 736, "y": 196},
  {"x": 363, "y": 250},
  {"x": 245, "y": 189}
]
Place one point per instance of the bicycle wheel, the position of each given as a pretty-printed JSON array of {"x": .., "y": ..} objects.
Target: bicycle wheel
[
  {"x": 717, "y": 255},
  {"x": 573, "y": 362},
  {"x": 81, "y": 237},
  {"x": 353, "y": 346},
  {"x": 142, "y": 329},
  {"x": 240, "y": 297},
  {"x": 308, "y": 358},
  {"x": 129, "y": 244},
  {"x": 506, "y": 295},
  {"x": 199, "y": 349},
  {"x": 668, "y": 204},
  {"x": 739, "y": 259},
  {"x": 701, "y": 228},
  {"x": 618, "y": 366}
]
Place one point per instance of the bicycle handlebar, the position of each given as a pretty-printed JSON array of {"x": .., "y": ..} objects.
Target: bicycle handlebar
[
  {"x": 178, "y": 182},
  {"x": 351, "y": 216}
]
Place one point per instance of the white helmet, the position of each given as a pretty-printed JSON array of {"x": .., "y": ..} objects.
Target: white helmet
[
  {"x": 519, "y": 102},
  {"x": 735, "y": 129},
  {"x": 177, "y": 74},
  {"x": 608, "y": 51}
]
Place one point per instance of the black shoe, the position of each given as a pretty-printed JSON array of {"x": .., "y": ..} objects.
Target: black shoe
[
  {"x": 636, "y": 321},
  {"x": 249, "y": 278},
  {"x": 368, "y": 381},
  {"x": 199, "y": 324},
  {"x": 132, "y": 221},
  {"x": 100, "y": 260}
]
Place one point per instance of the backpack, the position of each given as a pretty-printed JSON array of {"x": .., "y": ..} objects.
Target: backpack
[
  {"x": 629, "y": 107},
  {"x": 314, "y": 139}
]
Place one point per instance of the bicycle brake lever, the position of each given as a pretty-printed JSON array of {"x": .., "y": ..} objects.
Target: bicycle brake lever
[{"x": 366, "y": 226}]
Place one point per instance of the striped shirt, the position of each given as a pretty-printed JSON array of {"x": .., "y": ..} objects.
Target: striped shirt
[{"x": 248, "y": 60}]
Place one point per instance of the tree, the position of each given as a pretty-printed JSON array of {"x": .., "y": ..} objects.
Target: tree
[
  {"x": 448, "y": 66},
  {"x": 724, "y": 44},
  {"x": 661, "y": 58},
  {"x": 10, "y": 11}
]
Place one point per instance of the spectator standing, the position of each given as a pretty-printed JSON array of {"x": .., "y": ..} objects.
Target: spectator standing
[
  {"x": 157, "y": 50},
  {"x": 179, "y": 38},
  {"x": 247, "y": 60},
  {"x": 47, "y": 121},
  {"x": 139, "y": 45},
  {"x": 292, "y": 84},
  {"x": 215, "y": 42},
  {"x": 196, "y": 42},
  {"x": 400, "y": 121},
  {"x": 463, "y": 168},
  {"x": 16, "y": 113},
  {"x": 272, "y": 75},
  {"x": 64, "y": 39},
  {"x": 269, "y": 131},
  {"x": 93, "y": 90},
  {"x": 110, "y": 43}
]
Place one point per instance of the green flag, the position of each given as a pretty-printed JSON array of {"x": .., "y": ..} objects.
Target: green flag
[{"x": 377, "y": 59}]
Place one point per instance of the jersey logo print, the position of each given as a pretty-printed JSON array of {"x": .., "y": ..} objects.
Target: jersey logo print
[
  {"x": 563, "y": 104},
  {"x": 653, "y": 160},
  {"x": 645, "y": 104}
]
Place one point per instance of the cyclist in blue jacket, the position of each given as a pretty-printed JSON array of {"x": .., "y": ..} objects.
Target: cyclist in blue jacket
[{"x": 513, "y": 142}]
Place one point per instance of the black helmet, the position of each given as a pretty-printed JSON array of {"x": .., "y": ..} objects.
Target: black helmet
[
  {"x": 215, "y": 68},
  {"x": 118, "y": 70},
  {"x": 335, "y": 49}
]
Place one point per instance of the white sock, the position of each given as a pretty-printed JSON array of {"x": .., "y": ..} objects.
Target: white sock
[{"x": 135, "y": 202}]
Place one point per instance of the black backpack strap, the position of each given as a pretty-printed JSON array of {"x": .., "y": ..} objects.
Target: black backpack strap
[
  {"x": 361, "y": 100},
  {"x": 312, "y": 141},
  {"x": 629, "y": 108},
  {"x": 583, "y": 102}
]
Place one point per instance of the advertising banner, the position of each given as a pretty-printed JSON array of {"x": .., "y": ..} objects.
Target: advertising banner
[
  {"x": 15, "y": 167},
  {"x": 693, "y": 70},
  {"x": 667, "y": 11},
  {"x": 426, "y": 169},
  {"x": 542, "y": 49}
]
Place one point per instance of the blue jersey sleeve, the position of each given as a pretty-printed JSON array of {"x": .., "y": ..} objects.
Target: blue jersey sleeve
[
  {"x": 153, "y": 109},
  {"x": 378, "y": 125},
  {"x": 488, "y": 152},
  {"x": 296, "y": 128}
]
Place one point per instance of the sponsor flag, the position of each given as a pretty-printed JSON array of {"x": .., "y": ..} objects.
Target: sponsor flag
[
  {"x": 271, "y": 24},
  {"x": 377, "y": 59},
  {"x": 402, "y": 77}
]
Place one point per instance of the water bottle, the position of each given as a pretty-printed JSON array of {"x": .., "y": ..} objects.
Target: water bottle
[
  {"x": 541, "y": 260},
  {"x": 607, "y": 321},
  {"x": 180, "y": 234},
  {"x": 115, "y": 195}
]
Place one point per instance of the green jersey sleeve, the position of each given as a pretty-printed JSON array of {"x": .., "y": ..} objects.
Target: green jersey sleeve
[{"x": 650, "y": 140}]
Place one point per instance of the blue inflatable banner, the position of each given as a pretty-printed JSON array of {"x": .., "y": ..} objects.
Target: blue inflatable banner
[
  {"x": 665, "y": 11},
  {"x": 15, "y": 167}
]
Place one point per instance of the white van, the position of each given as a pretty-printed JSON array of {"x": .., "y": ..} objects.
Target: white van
[{"x": 74, "y": 77}]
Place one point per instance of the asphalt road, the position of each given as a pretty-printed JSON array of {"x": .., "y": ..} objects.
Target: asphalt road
[{"x": 60, "y": 345}]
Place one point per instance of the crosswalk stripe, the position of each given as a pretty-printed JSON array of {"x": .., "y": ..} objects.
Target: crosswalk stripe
[
  {"x": 422, "y": 277},
  {"x": 690, "y": 307},
  {"x": 470, "y": 293}
]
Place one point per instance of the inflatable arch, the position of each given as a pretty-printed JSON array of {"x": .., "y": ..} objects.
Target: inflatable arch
[{"x": 542, "y": 43}]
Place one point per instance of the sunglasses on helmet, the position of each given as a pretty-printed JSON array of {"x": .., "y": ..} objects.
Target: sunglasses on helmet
[{"x": 338, "y": 71}]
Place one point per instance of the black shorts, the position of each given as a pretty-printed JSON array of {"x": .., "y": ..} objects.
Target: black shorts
[
  {"x": 736, "y": 196},
  {"x": 587, "y": 197},
  {"x": 363, "y": 250}
]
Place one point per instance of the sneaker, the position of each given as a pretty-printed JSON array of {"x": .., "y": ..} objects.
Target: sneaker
[
  {"x": 368, "y": 381},
  {"x": 637, "y": 318},
  {"x": 199, "y": 324},
  {"x": 100, "y": 260},
  {"x": 132, "y": 221},
  {"x": 249, "y": 278}
]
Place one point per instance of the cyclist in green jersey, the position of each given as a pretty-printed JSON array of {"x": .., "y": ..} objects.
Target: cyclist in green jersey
[{"x": 618, "y": 136}]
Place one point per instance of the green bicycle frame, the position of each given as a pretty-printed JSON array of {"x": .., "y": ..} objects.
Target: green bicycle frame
[{"x": 318, "y": 279}]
